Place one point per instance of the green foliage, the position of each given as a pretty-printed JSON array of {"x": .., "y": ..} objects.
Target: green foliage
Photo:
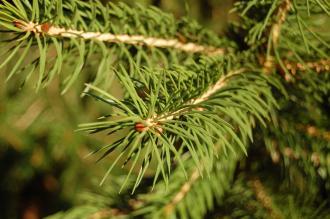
[
  {"x": 204, "y": 192},
  {"x": 176, "y": 117},
  {"x": 177, "y": 132},
  {"x": 52, "y": 54},
  {"x": 249, "y": 200}
]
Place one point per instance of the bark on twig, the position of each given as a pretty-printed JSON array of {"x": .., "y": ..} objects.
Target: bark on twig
[{"x": 49, "y": 30}]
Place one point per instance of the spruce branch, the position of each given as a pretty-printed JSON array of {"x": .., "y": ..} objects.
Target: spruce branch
[
  {"x": 303, "y": 156},
  {"x": 30, "y": 115},
  {"x": 281, "y": 15},
  {"x": 186, "y": 118},
  {"x": 182, "y": 192},
  {"x": 155, "y": 119},
  {"x": 107, "y": 213},
  {"x": 47, "y": 29},
  {"x": 302, "y": 148},
  {"x": 277, "y": 35},
  {"x": 265, "y": 199},
  {"x": 315, "y": 132},
  {"x": 268, "y": 199},
  {"x": 289, "y": 153},
  {"x": 167, "y": 123},
  {"x": 320, "y": 66},
  {"x": 192, "y": 197},
  {"x": 55, "y": 32},
  {"x": 292, "y": 67},
  {"x": 275, "y": 32}
]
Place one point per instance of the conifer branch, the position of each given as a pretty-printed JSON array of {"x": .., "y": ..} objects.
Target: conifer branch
[
  {"x": 217, "y": 108},
  {"x": 178, "y": 106},
  {"x": 319, "y": 66},
  {"x": 217, "y": 86},
  {"x": 47, "y": 29},
  {"x": 275, "y": 32},
  {"x": 30, "y": 115},
  {"x": 314, "y": 156},
  {"x": 180, "y": 197},
  {"x": 107, "y": 213},
  {"x": 185, "y": 188},
  {"x": 312, "y": 131},
  {"x": 315, "y": 132},
  {"x": 265, "y": 199},
  {"x": 154, "y": 121},
  {"x": 109, "y": 32},
  {"x": 296, "y": 150}
]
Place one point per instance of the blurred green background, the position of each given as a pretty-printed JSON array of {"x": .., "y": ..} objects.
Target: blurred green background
[{"x": 42, "y": 164}]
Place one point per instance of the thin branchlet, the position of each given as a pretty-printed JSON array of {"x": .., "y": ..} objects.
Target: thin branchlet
[
  {"x": 49, "y": 30},
  {"x": 290, "y": 153},
  {"x": 107, "y": 213},
  {"x": 217, "y": 86},
  {"x": 265, "y": 199},
  {"x": 205, "y": 96},
  {"x": 315, "y": 132},
  {"x": 275, "y": 32},
  {"x": 283, "y": 10},
  {"x": 185, "y": 188},
  {"x": 318, "y": 66}
]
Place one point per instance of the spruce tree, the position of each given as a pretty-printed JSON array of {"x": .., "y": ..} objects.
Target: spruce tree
[{"x": 182, "y": 123}]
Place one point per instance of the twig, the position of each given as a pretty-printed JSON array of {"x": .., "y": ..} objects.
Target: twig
[
  {"x": 290, "y": 153},
  {"x": 30, "y": 115},
  {"x": 315, "y": 157},
  {"x": 212, "y": 90},
  {"x": 11, "y": 138},
  {"x": 106, "y": 213},
  {"x": 154, "y": 121},
  {"x": 315, "y": 132},
  {"x": 319, "y": 66},
  {"x": 185, "y": 188},
  {"x": 217, "y": 86},
  {"x": 49, "y": 30},
  {"x": 275, "y": 32},
  {"x": 281, "y": 16},
  {"x": 264, "y": 199}
]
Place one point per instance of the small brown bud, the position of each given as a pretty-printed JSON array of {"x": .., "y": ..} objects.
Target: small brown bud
[
  {"x": 45, "y": 27},
  {"x": 18, "y": 24},
  {"x": 140, "y": 127}
]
